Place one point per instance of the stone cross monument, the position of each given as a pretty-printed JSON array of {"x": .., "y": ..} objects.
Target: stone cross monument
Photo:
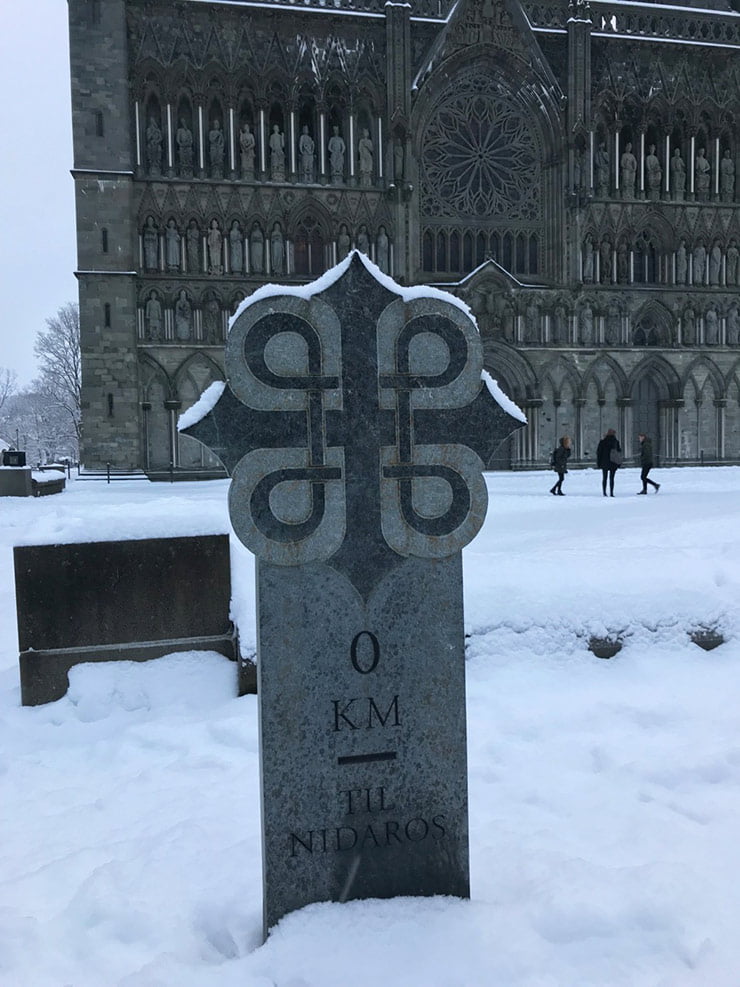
[{"x": 355, "y": 426}]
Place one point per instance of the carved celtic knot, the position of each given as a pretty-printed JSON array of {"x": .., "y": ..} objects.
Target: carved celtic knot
[
  {"x": 480, "y": 158},
  {"x": 355, "y": 427}
]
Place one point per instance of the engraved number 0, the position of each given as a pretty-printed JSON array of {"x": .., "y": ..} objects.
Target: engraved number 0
[{"x": 375, "y": 648}]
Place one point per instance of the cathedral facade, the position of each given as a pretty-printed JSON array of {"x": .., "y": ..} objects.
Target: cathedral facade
[{"x": 570, "y": 171}]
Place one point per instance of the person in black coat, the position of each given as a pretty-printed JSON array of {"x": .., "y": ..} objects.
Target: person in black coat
[
  {"x": 605, "y": 462},
  {"x": 646, "y": 463},
  {"x": 560, "y": 458}
]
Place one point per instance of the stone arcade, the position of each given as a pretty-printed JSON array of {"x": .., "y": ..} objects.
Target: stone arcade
[
  {"x": 355, "y": 426},
  {"x": 570, "y": 171}
]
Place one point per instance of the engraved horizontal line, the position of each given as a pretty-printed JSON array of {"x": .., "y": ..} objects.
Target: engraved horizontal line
[{"x": 367, "y": 758}]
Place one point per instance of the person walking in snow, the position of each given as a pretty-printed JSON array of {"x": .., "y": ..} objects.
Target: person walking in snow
[
  {"x": 559, "y": 463},
  {"x": 646, "y": 463},
  {"x": 608, "y": 459}
]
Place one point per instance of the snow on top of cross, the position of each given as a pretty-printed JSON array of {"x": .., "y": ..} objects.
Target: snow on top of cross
[
  {"x": 205, "y": 403},
  {"x": 502, "y": 399},
  {"x": 333, "y": 274}
]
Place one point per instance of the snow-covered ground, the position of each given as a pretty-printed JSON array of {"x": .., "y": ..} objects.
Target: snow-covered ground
[{"x": 604, "y": 795}]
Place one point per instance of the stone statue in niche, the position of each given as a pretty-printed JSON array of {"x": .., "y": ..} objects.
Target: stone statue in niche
[
  {"x": 601, "y": 170},
  {"x": 623, "y": 264},
  {"x": 172, "y": 246},
  {"x": 183, "y": 317},
  {"x": 688, "y": 328},
  {"x": 257, "y": 249},
  {"x": 733, "y": 255},
  {"x": 628, "y": 172},
  {"x": 216, "y": 149},
  {"x": 306, "y": 150},
  {"x": 153, "y": 318},
  {"x": 363, "y": 240},
  {"x": 343, "y": 243},
  {"x": 711, "y": 328},
  {"x": 587, "y": 326},
  {"x": 365, "y": 155},
  {"x": 605, "y": 262},
  {"x": 715, "y": 263},
  {"x": 588, "y": 259},
  {"x": 382, "y": 251},
  {"x": 678, "y": 175},
  {"x": 532, "y": 323},
  {"x": 277, "y": 155},
  {"x": 558, "y": 325},
  {"x": 247, "y": 144},
  {"x": 700, "y": 263},
  {"x": 236, "y": 249},
  {"x": 733, "y": 326},
  {"x": 215, "y": 240},
  {"x": 151, "y": 245},
  {"x": 277, "y": 250},
  {"x": 727, "y": 177},
  {"x": 682, "y": 263},
  {"x": 703, "y": 174},
  {"x": 154, "y": 148},
  {"x": 212, "y": 321},
  {"x": 613, "y": 331},
  {"x": 653, "y": 173},
  {"x": 192, "y": 247},
  {"x": 337, "y": 148},
  {"x": 184, "y": 141}
]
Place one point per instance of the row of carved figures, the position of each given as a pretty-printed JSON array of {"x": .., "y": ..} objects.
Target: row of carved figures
[
  {"x": 249, "y": 153},
  {"x": 692, "y": 264},
  {"x": 655, "y": 178},
  {"x": 691, "y": 326},
  {"x": 233, "y": 252}
]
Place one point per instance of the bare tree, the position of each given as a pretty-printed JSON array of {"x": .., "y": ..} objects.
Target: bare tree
[
  {"x": 8, "y": 380},
  {"x": 58, "y": 353}
]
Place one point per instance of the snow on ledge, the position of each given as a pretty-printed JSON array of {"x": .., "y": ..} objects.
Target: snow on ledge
[
  {"x": 502, "y": 399},
  {"x": 333, "y": 274},
  {"x": 205, "y": 403}
]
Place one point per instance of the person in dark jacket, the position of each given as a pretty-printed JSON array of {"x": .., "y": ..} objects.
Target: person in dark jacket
[
  {"x": 646, "y": 463},
  {"x": 560, "y": 458},
  {"x": 605, "y": 462}
]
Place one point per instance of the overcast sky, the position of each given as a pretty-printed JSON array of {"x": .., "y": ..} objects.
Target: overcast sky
[{"x": 37, "y": 237}]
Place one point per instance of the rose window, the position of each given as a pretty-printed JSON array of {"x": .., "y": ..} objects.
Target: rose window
[{"x": 480, "y": 158}]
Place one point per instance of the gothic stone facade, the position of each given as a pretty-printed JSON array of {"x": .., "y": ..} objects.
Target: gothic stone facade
[{"x": 570, "y": 171}]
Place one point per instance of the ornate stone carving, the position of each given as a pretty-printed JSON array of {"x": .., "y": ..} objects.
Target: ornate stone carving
[
  {"x": 365, "y": 155},
  {"x": 733, "y": 326},
  {"x": 623, "y": 263},
  {"x": 678, "y": 175},
  {"x": 605, "y": 262},
  {"x": 277, "y": 249},
  {"x": 247, "y": 145},
  {"x": 715, "y": 263},
  {"x": 363, "y": 240},
  {"x": 184, "y": 141},
  {"x": 653, "y": 173},
  {"x": 192, "y": 247},
  {"x": 216, "y": 150},
  {"x": 382, "y": 251},
  {"x": 727, "y": 177},
  {"x": 628, "y": 172},
  {"x": 711, "y": 328},
  {"x": 306, "y": 150},
  {"x": 151, "y": 245},
  {"x": 257, "y": 249},
  {"x": 153, "y": 317},
  {"x": 702, "y": 174},
  {"x": 700, "y": 263},
  {"x": 277, "y": 155},
  {"x": 336, "y": 156},
  {"x": 688, "y": 330},
  {"x": 215, "y": 241},
  {"x": 212, "y": 321},
  {"x": 613, "y": 330},
  {"x": 183, "y": 317},
  {"x": 172, "y": 246},
  {"x": 154, "y": 148},
  {"x": 236, "y": 248},
  {"x": 588, "y": 259},
  {"x": 682, "y": 263},
  {"x": 532, "y": 323},
  {"x": 343, "y": 243},
  {"x": 733, "y": 255},
  {"x": 601, "y": 170},
  {"x": 587, "y": 326}
]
